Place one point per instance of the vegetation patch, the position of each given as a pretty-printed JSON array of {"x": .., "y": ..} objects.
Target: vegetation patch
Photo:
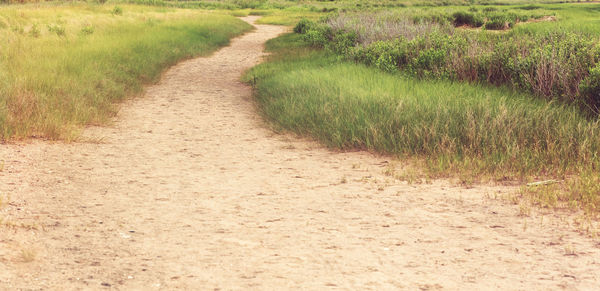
[
  {"x": 65, "y": 66},
  {"x": 554, "y": 65},
  {"x": 457, "y": 129}
]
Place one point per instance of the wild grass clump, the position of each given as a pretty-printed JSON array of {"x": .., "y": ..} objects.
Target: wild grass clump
[
  {"x": 77, "y": 67},
  {"x": 467, "y": 18},
  {"x": 456, "y": 128},
  {"x": 56, "y": 28},
  {"x": 87, "y": 30},
  {"x": 554, "y": 65},
  {"x": 117, "y": 10},
  {"x": 499, "y": 22}
]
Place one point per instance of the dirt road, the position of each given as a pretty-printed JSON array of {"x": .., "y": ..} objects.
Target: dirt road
[{"x": 189, "y": 189}]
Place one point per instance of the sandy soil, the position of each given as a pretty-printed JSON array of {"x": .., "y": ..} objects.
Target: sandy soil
[{"x": 189, "y": 189}]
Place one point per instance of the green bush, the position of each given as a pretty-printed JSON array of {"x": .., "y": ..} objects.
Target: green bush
[
  {"x": 87, "y": 30},
  {"x": 318, "y": 35},
  {"x": 342, "y": 42},
  {"x": 303, "y": 26},
  {"x": 590, "y": 89},
  {"x": 388, "y": 56},
  {"x": 57, "y": 28},
  {"x": 117, "y": 10}
]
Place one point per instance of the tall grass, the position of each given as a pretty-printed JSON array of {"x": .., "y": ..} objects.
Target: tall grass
[
  {"x": 84, "y": 58},
  {"x": 455, "y": 127},
  {"x": 387, "y": 25}
]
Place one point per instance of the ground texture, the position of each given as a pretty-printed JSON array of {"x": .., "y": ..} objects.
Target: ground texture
[{"x": 190, "y": 189}]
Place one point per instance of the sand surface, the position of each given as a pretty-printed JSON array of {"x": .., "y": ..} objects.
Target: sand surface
[{"x": 189, "y": 189}]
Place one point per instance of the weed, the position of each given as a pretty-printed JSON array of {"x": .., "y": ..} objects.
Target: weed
[
  {"x": 57, "y": 28},
  {"x": 87, "y": 30},
  {"x": 34, "y": 31},
  {"x": 570, "y": 250},
  {"x": 28, "y": 255},
  {"x": 524, "y": 209},
  {"x": 117, "y": 11}
]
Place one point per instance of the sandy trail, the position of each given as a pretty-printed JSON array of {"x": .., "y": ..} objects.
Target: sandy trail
[{"x": 190, "y": 190}]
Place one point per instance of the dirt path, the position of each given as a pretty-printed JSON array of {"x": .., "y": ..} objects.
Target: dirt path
[{"x": 189, "y": 190}]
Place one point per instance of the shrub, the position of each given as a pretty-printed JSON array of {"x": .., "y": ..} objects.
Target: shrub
[
  {"x": 590, "y": 89},
  {"x": 87, "y": 30},
  {"x": 117, "y": 10},
  {"x": 303, "y": 26},
  {"x": 554, "y": 65},
  {"x": 388, "y": 56},
  {"x": 318, "y": 35},
  {"x": 342, "y": 42},
  {"x": 56, "y": 28}
]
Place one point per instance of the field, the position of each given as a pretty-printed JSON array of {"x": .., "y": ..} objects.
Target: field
[
  {"x": 63, "y": 66},
  {"x": 482, "y": 91},
  {"x": 394, "y": 144}
]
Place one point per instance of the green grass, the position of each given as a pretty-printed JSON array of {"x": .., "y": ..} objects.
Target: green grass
[
  {"x": 286, "y": 17},
  {"x": 454, "y": 128},
  {"x": 65, "y": 66}
]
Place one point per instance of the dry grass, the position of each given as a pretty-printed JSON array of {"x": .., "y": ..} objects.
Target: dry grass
[
  {"x": 386, "y": 25},
  {"x": 28, "y": 255},
  {"x": 67, "y": 65}
]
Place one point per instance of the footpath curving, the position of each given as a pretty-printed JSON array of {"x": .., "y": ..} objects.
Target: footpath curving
[{"x": 189, "y": 189}]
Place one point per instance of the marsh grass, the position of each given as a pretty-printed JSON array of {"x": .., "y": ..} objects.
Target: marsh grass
[
  {"x": 470, "y": 132},
  {"x": 553, "y": 65},
  {"x": 77, "y": 61}
]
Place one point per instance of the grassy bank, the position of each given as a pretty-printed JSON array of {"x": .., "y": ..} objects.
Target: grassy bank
[
  {"x": 453, "y": 128},
  {"x": 65, "y": 65},
  {"x": 558, "y": 64}
]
